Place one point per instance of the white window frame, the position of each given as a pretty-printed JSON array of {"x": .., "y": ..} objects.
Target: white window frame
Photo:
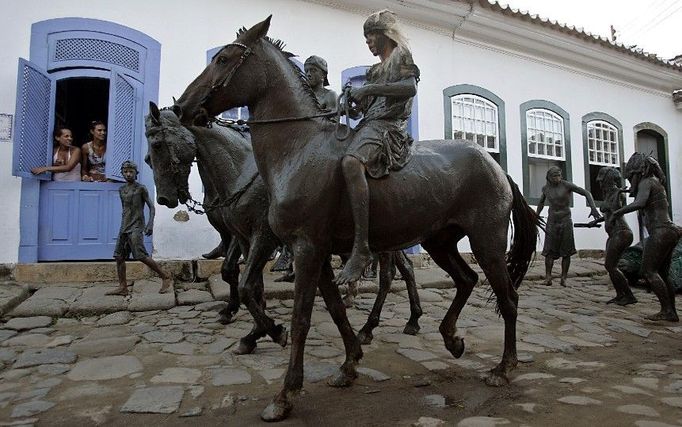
[
  {"x": 537, "y": 120},
  {"x": 598, "y": 143},
  {"x": 483, "y": 119}
]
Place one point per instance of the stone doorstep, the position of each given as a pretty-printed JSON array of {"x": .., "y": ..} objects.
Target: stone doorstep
[
  {"x": 105, "y": 271},
  {"x": 183, "y": 270}
]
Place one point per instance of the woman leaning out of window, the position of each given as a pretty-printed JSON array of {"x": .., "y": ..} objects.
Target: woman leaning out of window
[{"x": 65, "y": 158}]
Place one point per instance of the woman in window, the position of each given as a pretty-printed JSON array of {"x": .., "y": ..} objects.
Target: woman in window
[
  {"x": 93, "y": 153},
  {"x": 65, "y": 157}
]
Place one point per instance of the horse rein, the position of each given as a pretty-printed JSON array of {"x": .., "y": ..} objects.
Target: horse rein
[{"x": 247, "y": 51}]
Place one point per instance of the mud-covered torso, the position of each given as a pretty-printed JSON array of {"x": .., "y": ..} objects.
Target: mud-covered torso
[
  {"x": 613, "y": 200},
  {"x": 132, "y": 202},
  {"x": 558, "y": 198}
]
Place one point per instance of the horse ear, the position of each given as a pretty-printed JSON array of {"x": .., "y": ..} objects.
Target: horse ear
[
  {"x": 177, "y": 110},
  {"x": 154, "y": 113},
  {"x": 259, "y": 30}
]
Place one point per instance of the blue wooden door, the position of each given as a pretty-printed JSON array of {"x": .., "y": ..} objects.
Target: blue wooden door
[{"x": 76, "y": 220}]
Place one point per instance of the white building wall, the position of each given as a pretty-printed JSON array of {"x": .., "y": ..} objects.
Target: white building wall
[{"x": 186, "y": 31}]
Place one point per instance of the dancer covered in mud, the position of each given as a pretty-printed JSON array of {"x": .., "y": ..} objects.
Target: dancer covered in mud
[
  {"x": 559, "y": 240},
  {"x": 647, "y": 186}
]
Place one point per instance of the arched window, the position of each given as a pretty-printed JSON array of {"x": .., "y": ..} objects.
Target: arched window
[
  {"x": 475, "y": 119},
  {"x": 603, "y": 147},
  {"x": 545, "y": 135},
  {"x": 545, "y": 131},
  {"x": 477, "y": 115}
]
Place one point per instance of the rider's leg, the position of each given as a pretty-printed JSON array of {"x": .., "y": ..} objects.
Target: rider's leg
[{"x": 354, "y": 174}]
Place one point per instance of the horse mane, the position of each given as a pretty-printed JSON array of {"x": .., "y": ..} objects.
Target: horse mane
[{"x": 279, "y": 45}]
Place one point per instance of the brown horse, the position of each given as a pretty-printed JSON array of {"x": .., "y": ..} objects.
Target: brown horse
[
  {"x": 226, "y": 167},
  {"x": 448, "y": 190}
]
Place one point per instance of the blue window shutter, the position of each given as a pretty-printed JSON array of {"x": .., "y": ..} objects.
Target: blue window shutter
[
  {"x": 122, "y": 124},
  {"x": 34, "y": 121}
]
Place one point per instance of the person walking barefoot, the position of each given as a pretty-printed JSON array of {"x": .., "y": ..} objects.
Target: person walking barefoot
[{"x": 130, "y": 240}]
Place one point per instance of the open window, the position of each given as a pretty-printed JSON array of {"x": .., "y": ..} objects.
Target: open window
[
  {"x": 546, "y": 142},
  {"x": 603, "y": 147},
  {"x": 477, "y": 115}
]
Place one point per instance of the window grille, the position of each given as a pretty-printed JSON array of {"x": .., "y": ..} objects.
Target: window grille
[
  {"x": 602, "y": 143},
  {"x": 475, "y": 119},
  {"x": 75, "y": 49},
  {"x": 545, "y": 131}
]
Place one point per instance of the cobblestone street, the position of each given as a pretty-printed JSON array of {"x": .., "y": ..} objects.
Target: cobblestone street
[{"x": 582, "y": 362}]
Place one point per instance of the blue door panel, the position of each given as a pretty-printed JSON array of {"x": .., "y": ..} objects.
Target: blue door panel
[
  {"x": 91, "y": 216},
  {"x": 78, "y": 220},
  {"x": 60, "y": 222}
]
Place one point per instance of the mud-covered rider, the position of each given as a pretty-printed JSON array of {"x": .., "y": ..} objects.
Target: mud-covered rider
[{"x": 380, "y": 142}]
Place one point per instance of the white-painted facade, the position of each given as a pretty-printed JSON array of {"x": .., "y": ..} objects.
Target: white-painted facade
[{"x": 453, "y": 43}]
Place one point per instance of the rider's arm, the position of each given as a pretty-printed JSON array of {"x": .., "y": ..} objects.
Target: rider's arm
[{"x": 401, "y": 89}]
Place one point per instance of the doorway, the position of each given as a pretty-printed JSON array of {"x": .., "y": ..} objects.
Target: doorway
[{"x": 79, "y": 101}]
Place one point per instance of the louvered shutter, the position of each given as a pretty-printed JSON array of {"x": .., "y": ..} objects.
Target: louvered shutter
[{"x": 34, "y": 121}]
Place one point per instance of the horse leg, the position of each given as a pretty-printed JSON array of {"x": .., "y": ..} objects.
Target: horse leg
[
  {"x": 251, "y": 293},
  {"x": 490, "y": 254},
  {"x": 445, "y": 254},
  {"x": 404, "y": 265},
  {"x": 385, "y": 261},
  {"x": 308, "y": 261},
  {"x": 332, "y": 299},
  {"x": 229, "y": 272}
]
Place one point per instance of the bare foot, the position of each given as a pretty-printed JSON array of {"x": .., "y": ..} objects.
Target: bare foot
[
  {"x": 353, "y": 269},
  {"x": 166, "y": 285},
  {"x": 670, "y": 317},
  {"x": 121, "y": 291},
  {"x": 626, "y": 299},
  {"x": 563, "y": 282},
  {"x": 547, "y": 282}
]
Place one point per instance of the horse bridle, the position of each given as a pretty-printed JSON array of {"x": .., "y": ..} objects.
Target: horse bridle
[
  {"x": 226, "y": 79},
  {"x": 247, "y": 51}
]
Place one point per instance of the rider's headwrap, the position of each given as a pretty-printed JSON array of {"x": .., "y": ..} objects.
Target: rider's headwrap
[
  {"x": 385, "y": 22},
  {"x": 320, "y": 63},
  {"x": 129, "y": 164}
]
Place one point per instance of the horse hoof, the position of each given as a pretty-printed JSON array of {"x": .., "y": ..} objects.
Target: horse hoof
[
  {"x": 455, "y": 346},
  {"x": 365, "y": 338},
  {"x": 244, "y": 348},
  {"x": 226, "y": 318},
  {"x": 282, "y": 335},
  {"x": 496, "y": 379},
  {"x": 342, "y": 380},
  {"x": 349, "y": 302},
  {"x": 411, "y": 329},
  {"x": 276, "y": 411}
]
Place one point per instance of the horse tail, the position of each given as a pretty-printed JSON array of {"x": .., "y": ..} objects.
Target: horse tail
[{"x": 525, "y": 223}]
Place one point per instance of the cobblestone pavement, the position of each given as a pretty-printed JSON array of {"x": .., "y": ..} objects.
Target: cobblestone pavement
[{"x": 582, "y": 362}]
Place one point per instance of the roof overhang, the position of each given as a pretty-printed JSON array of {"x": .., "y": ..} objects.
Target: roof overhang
[{"x": 478, "y": 22}]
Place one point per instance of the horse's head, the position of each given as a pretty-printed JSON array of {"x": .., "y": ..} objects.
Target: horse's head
[
  {"x": 230, "y": 80},
  {"x": 170, "y": 153}
]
